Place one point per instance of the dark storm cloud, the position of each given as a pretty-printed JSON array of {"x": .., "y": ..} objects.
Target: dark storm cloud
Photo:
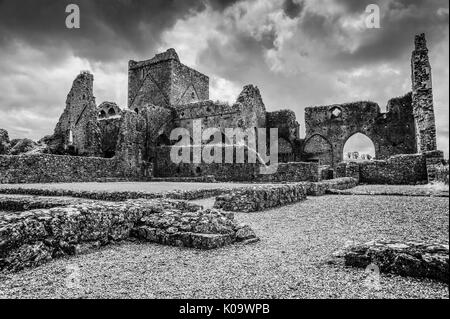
[
  {"x": 293, "y": 8},
  {"x": 400, "y": 22},
  {"x": 108, "y": 27}
]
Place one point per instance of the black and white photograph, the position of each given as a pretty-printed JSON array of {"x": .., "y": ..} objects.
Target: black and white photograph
[{"x": 224, "y": 155}]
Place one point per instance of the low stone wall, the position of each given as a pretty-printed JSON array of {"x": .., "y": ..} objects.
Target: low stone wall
[
  {"x": 117, "y": 196},
  {"x": 441, "y": 174},
  {"x": 402, "y": 258},
  {"x": 33, "y": 237},
  {"x": 324, "y": 187},
  {"x": 437, "y": 167},
  {"x": 20, "y": 203},
  {"x": 46, "y": 168},
  {"x": 257, "y": 198},
  {"x": 292, "y": 172},
  {"x": 408, "y": 169}
]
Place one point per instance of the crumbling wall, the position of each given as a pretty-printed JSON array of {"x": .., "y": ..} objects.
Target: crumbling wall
[
  {"x": 286, "y": 123},
  {"x": 32, "y": 238},
  {"x": 248, "y": 112},
  {"x": 77, "y": 130},
  {"x": 289, "y": 147},
  {"x": 329, "y": 127},
  {"x": 258, "y": 198},
  {"x": 47, "y": 168},
  {"x": 4, "y": 142},
  {"x": 108, "y": 110},
  {"x": 109, "y": 132},
  {"x": 408, "y": 169},
  {"x": 423, "y": 96},
  {"x": 165, "y": 167},
  {"x": 131, "y": 143}
]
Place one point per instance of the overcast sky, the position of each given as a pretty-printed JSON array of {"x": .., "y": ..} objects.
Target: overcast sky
[{"x": 300, "y": 53}]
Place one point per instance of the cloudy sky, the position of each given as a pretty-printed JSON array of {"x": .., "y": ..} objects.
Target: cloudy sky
[{"x": 300, "y": 53}]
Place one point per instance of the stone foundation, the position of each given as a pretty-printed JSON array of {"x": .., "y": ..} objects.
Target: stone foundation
[
  {"x": 322, "y": 188},
  {"x": 402, "y": 258},
  {"x": 31, "y": 238},
  {"x": 257, "y": 198}
]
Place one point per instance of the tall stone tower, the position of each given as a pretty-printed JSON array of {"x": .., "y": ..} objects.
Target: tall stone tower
[
  {"x": 422, "y": 97},
  {"x": 165, "y": 81}
]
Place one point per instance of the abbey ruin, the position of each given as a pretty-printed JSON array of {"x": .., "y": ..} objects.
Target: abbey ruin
[{"x": 164, "y": 94}]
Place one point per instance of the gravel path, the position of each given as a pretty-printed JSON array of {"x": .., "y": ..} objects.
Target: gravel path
[
  {"x": 290, "y": 261},
  {"x": 400, "y": 190}
]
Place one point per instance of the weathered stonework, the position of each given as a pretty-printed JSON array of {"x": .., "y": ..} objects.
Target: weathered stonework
[
  {"x": 164, "y": 81},
  {"x": 409, "y": 259},
  {"x": 399, "y": 169},
  {"x": 258, "y": 198},
  {"x": 46, "y": 168},
  {"x": 4, "y": 142},
  {"x": 164, "y": 94},
  {"x": 77, "y": 131},
  {"x": 31, "y": 238},
  {"x": 422, "y": 97},
  {"x": 329, "y": 127}
]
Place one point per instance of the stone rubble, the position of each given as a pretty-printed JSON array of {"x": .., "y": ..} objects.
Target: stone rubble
[
  {"x": 409, "y": 259},
  {"x": 30, "y": 238}
]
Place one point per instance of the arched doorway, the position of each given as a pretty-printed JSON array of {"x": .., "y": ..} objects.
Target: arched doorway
[
  {"x": 359, "y": 147},
  {"x": 318, "y": 148}
]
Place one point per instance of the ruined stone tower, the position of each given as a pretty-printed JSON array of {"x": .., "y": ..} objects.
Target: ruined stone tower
[
  {"x": 77, "y": 130},
  {"x": 422, "y": 97},
  {"x": 165, "y": 81}
]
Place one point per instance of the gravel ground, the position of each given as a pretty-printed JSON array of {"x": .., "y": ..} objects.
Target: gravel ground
[
  {"x": 404, "y": 190},
  {"x": 148, "y": 187},
  {"x": 290, "y": 261}
]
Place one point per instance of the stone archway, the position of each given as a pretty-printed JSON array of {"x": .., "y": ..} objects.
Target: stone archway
[
  {"x": 318, "y": 148},
  {"x": 359, "y": 147}
]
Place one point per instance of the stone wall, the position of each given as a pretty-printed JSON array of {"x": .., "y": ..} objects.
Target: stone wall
[
  {"x": 258, "y": 198},
  {"x": 433, "y": 160},
  {"x": 422, "y": 98},
  {"x": 397, "y": 170},
  {"x": 4, "y": 142},
  {"x": 441, "y": 174},
  {"x": 45, "y": 168},
  {"x": 328, "y": 128},
  {"x": 77, "y": 130},
  {"x": 409, "y": 259},
  {"x": 109, "y": 130},
  {"x": 248, "y": 112},
  {"x": 329, "y": 186},
  {"x": 164, "y": 81},
  {"x": 34, "y": 237},
  {"x": 293, "y": 172},
  {"x": 286, "y": 172}
]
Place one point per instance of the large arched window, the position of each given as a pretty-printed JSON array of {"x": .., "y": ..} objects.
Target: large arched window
[{"x": 359, "y": 147}]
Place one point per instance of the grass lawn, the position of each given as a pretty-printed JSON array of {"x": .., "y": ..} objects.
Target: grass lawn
[{"x": 290, "y": 261}]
